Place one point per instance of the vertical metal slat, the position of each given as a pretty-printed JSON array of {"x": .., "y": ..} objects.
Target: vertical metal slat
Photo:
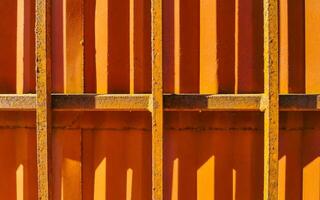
[
  {"x": 157, "y": 101},
  {"x": 43, "y": 88},
  {"x": 271, "y": 115}
]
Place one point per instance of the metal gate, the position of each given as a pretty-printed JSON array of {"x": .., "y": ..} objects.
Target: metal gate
[{"x": 159, "y": 99}]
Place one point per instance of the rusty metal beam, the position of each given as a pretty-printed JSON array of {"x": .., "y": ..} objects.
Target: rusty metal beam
[
  {"x": 299, "y": 102},
  {"x": 17, "y": 102},
  {"x": 271, "y": 100},
  {"x": 43, "y": 97},
  {"x": 101, "y": 102},
  {"x": 212, "y": 102},
  {"x": 140, "y": 102},
  {"x": 157, "y": 100}
]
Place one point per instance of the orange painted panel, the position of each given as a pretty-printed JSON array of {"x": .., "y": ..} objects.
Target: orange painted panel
[
  {"x": 118, "y": 46},
  {"x": 18, "y": 165},
  {"x": 116, "y": 164},
  {"x": 292, "y": 46},
  {"x": 8, "y": 47},
  {"x": 213, "y": 46},
  {"x": 299, "y": 154},
  {"x": 213, "y": 155},
  {"x": 290, "y": 157},
  {"x": 141, "y": 55},
  {"x": 57, "y": 46},
  {"x": 312, "y": 43},
  {"x": 311, "y": 157},
  {"x": 249, "y": 46},
  {"x": 73, "y": 44},
  {"x": 106, "y": 51},
  {"x": 17, "y": 60},
  {"x": 102, "y": 155},
  {"x": 66, "y": 160},
  {"x": 210, "y": 47}
]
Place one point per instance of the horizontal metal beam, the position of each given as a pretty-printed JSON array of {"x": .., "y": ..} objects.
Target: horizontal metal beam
[
  {"x": 141, "y": 102},
  {"x": 212, "y": 102},
  {"x": 299, "y": 102},
  {"x": 100, "y": 102},
  {"x": 17, "y": 102}
]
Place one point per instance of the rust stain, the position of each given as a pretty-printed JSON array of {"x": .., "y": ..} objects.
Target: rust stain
[
  {"x": 271, "y": 89},
  {"x": 138, "y": 49},
  {"x": 43, "y": 106},
  {"x": 157, "y": 101}
]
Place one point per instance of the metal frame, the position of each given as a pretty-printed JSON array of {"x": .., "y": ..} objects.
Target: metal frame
[
  {"x": 270, "y": 102},
  {"x": 271, "y": 94},
  {"x": 142, "y": 102},
  {"x": 43, "y": 97}
]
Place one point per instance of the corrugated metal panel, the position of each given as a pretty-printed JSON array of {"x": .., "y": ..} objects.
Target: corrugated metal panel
[{"x": 159, "y": 99}]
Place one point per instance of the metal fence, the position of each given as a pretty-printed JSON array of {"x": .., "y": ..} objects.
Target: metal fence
[{"x": 45, "y": 101}]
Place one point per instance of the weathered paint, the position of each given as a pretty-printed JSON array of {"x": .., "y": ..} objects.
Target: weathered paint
[
  {"x": 271, "y": 92},
  {"x": 43, "y": 89},
  {"x": 157, "y": 100},
  {"x": 208, "y": 58},
  {"x": 141, "y": 102}
]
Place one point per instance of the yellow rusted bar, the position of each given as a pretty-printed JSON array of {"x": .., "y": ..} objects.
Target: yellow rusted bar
[
  {"x": 157, "y": 101},
  {"x": 219, "y": 102},
  {"x": 141, "y": 102},
  {"x": 43, "y": 103},
  {"x": 93, "y": 102},
  {"x": 271, "y": 89}
]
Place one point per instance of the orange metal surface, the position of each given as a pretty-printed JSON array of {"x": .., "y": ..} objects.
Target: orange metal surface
[{"x": 209, "y": 47}]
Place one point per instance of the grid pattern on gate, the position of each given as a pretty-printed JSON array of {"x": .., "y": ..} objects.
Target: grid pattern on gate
[{"x": 270, "y": 102}]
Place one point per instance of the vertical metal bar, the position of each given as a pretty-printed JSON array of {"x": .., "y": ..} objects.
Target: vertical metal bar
[
  {"x": 157, "y": 101},
  {"x": 43, "y": 112},
  {"x": 271, "y": 89}
]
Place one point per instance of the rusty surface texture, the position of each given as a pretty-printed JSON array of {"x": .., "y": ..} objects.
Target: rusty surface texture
[
  {"x": 142, "y": 102},
  {"x": 159, "y": 99},
  {"x": 271, "y": 90},
  {"x": 101, "y": 102},
  {"x": 43, "y": 104},
  {"x": 17, "y": 102},
  {"x": 212, "y": 102}
]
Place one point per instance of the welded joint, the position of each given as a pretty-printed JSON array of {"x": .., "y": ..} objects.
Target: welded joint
[
  {"x": 264, "y": 103},
  {"x": 150, "y": 104}
]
